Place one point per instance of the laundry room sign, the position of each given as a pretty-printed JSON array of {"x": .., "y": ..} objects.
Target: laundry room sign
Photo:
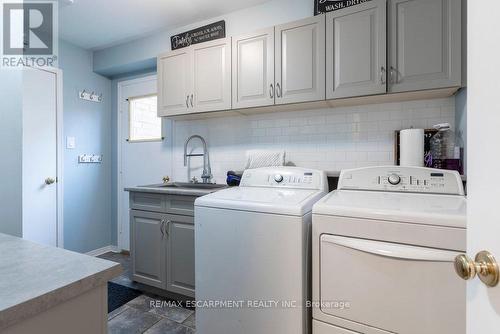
[
  {"x": 199, "y": 35},
  {"x": 323, "y": 6}
]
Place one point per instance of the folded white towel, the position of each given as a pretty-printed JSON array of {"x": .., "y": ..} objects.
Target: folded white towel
[{"x": 263, "y": 158}]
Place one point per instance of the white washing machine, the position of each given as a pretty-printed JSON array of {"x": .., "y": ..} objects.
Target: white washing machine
[
  {"x": 384, "y": 244},
  {"x": 253, "y": 253}
]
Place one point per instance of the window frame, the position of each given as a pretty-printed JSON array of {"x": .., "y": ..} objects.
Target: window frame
[{"x": 129, "y": 140}]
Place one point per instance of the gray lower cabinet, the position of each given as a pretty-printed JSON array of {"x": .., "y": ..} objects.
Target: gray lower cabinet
[
  {"x": 162, "y": 241},
  {"x": 425, "y": 44},
  {"x": 180, "y": 255},
  {"x": 147, "y": 248}
]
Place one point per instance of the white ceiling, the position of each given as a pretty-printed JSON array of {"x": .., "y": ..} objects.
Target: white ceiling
[{"x": 94, "y": 24}]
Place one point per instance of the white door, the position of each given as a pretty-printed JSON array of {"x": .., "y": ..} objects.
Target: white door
[
  {"x": 356, "y": 50},
  {"x": 140, "y": 162},
  {"x": 40, "y": 156},
  {"x": 253, "y": 69},
  {"x": 211, "y": 76},
  {"x": 300, "y": 61},
  {"x": 174, "y": 82},
  {"x": 424, "y": 44},
  {"x": 483, "y": 122}
]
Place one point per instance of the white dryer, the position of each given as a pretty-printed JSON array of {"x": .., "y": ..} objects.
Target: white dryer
[
  {"x": 252, "y": 247},
  {"x": 384, "y": 245}
]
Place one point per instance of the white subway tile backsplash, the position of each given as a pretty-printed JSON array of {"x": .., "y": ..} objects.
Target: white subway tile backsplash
[
  {"x": 258, "y": 132},
  {"x": 377, "y": 156},
  {"x": 336, "y": 118},
  {"x": 331, "y": 139},
  {"x": 273, "y": 132},
  {"x": 356, "y": 156}
]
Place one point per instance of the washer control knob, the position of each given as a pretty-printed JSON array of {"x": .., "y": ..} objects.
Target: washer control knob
[
  {"x": 278, "y": 178},
  {"x": 394, "y": 179}
]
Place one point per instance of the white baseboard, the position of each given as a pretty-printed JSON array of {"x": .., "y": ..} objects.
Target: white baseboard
[{"x": 103, "y": 250}]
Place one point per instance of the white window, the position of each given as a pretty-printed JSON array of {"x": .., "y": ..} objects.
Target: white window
[{"x": 145, "y": 125}]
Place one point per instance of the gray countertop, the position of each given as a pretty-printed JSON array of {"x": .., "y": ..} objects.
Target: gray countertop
[
  {"x": 35, "y": 278},
  {"x": 155, "y": 188}
]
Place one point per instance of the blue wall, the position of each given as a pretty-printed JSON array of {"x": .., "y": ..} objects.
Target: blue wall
[
  {"x": 87, "y": 187},
  {"x": 141, "y": 54},
  {"x": 11, "y": 150}
]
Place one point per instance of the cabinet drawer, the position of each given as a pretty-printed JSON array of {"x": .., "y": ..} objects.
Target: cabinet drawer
[
  {"x": 147, "y": 202},
  {"x": 173, "y": 204},
  {"x": 180, "y": 205}
]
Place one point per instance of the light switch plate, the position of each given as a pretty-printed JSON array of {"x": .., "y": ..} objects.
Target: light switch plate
[{"x": 70, "y": 142}]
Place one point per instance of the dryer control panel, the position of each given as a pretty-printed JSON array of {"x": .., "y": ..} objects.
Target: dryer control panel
[
  {"x": 285, "y": 177},
  {"x": 402, "y": 179}
]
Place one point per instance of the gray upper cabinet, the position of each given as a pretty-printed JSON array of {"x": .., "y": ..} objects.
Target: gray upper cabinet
[
  {"x": 211, "y": 76},
  {"x": 300, "y": 61},
  {"x": 173, "y": 95},
  {"x": 356, "y": 50},
  {"x": 424, "y": 44},
  {"x": 180, "y": 254},
  {"x": 195, "y": 79},
  {"x": 373, "y": 48},
  {"x": 253, "y": 69},
  {"x": 147, "y": 239}
]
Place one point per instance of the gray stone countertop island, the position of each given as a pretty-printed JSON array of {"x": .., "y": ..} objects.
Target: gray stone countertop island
[{"x": 47, "y": 288}]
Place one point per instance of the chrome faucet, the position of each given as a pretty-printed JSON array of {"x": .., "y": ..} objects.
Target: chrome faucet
[{"x": 206, "y": 176}]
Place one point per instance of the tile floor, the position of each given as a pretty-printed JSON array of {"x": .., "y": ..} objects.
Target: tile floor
[
  {"x": 126, "y": 277},
  {"x": 148, "y": 314}
]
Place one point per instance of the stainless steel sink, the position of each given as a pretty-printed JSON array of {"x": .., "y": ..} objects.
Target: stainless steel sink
[{"x": 189, "y": 185}]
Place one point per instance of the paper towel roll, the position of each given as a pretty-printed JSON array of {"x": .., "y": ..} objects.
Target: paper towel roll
[{"x": 412, "y": 147}]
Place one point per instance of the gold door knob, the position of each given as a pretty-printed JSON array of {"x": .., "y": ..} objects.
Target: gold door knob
[
  {"x": 485, "y": 266},
  {"x": 49, "y": 181}
]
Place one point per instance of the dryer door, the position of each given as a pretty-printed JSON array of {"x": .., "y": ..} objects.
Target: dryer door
[{"x": 392, "y": 287}]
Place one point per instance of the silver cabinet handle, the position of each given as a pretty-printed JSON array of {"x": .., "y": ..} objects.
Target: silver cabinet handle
[
  {"x": 187, "y": 101},
  {"x": 162, "y": 228},
  {"x": 278, "y": 90},
  {"x": 271, "y": 91},
  {"x": 192, "y": 100},
  {"x": 167, "y": 224},
  {"x": 392, "y": 75},
  {"x": 383, "y": 75}
]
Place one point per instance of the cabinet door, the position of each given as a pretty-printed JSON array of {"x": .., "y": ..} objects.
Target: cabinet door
[
  {"x": 356, "y": 50},
  {"x": 424, "y": 44},
  {"x": 300, "y": 61},
  {"x": 253, "y": 69},
  {"x": 147, "y": 248},
  {"x": 174, "y": 82},
  {"x": 180, "y": 254},
  {"x": 211, "y": 76}
]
